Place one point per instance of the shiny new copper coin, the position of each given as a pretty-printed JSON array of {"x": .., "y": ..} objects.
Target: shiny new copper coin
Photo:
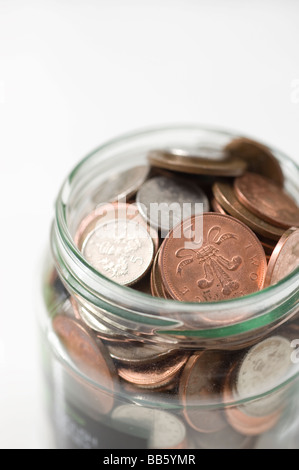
[
  {"x": 267, "y": 200},
  {"x": 89, "y": 354},
  {"x": 228, "y": 262},
  {"x": 155, "y": 374},
  {"x": 258, "y": 157},
  {"x": 285, "y": 257},
  {"x": 225, "y": 195},
  {"x": 183, "y": 161},
  {"x": 198, "y": 385}
]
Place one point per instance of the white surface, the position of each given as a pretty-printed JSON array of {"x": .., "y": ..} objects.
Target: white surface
[{"x": 74, "y": 73}]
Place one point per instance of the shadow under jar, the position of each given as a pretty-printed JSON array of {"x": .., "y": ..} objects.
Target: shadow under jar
[{"x": 124, "y": 369}]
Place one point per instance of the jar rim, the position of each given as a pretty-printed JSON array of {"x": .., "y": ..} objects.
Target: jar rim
[{"x": 127, "y": 297}]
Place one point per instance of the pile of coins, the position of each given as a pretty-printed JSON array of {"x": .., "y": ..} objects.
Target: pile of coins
[
  {"x": 187, "y": 396},
  {"x": 208, "y": 224},
  {"x": 238, "y": 234}
]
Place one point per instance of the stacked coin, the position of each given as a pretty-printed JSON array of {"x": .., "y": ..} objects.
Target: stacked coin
[
  {"x": 199, "y": 389},
  {"x": 167, "y": 228}
]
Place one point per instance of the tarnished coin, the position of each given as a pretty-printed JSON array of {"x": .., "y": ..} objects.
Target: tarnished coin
[
  {"x": 285, "y": 257},
  {"x": 182, "y": 161},
  {"x": 122, "y": 185},
  {"x": 229, "y": 262},
  {"x": 120, "y": 249},
  {"x": 224, "y": 194},
  {"x": 112, "y": 211},
  {"x": 164, "y": 430},
  {"x": 136, "y": 352},
  {"x": 198, "y": 387},
  {"x": 89, "y": 355},
  {"x": 226, "y": 438},
  {"x": 267, "y": 200},
  {"x": 258, "y": 157},
  {"x": 165, "y": 202},
  {"x": 155, "y": 374}
]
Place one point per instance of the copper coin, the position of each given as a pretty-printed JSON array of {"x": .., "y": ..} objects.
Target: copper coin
[
  {"x": 267, "y": 200},
  {"x": 156, "y": 374},
  {"x": 120, "y": 249},
  {"x": 108, "y": 212},
  {"x": 122, "y": 185},
  {"x": 258, "y": 157},
  {"x": 183, "y": 161},
  {"x": 157, "y": 287},
  {"x": 164, "y": 430},
  {"x": 89, "y": 355},
  {"x": 198, "y": 386},
  {"x": 217, "y": 207},
  {"x": 229, "y": 263},
  {"x": 285, "y": 257},
  {"x": 226, "y": 197}
]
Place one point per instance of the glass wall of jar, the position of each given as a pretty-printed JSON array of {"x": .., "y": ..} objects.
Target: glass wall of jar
[{"x": 124, "y": 369}]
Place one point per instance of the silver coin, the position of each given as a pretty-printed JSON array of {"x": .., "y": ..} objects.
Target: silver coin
[
  {"x": 226, "y": 438},
  {"x": 136, "y": 352},
  {"x": 202, "y": 152},
  {"x": 284, "y": 258},
  {"x": 165, "y": 202},
  {"x": 163, "y": 429},
  {"x": 120, "y": 249},
  {"x": 263, "y": 368},
  {"x": 122, "y": 185},
  {"x": 93, "y": 321}
]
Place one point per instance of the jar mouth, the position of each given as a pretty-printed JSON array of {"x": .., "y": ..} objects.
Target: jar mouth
[{"x": 95, "y": 287}]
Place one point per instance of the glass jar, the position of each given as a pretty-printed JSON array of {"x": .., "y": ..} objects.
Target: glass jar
[{"x": 216, "y": 374}]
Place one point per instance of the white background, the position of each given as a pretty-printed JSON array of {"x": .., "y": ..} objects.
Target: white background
[{"x": 75, "y": 73}]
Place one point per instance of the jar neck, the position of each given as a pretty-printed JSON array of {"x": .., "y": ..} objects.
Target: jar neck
[{"x": 130, "y": 310}]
